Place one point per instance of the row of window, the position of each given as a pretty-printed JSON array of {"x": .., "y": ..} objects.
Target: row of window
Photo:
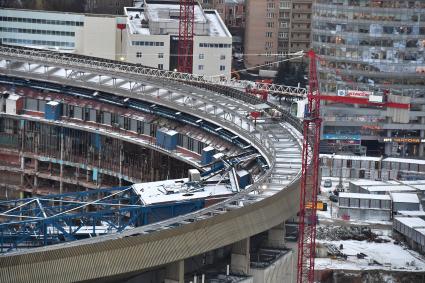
[
  {"x": 215, "y": 45},
  {"x": 201, "y": 67},
  {"x": 147, "y": 43},
  {"x": 41, "y": 21},
  {"x": 111, "y": 119},
  {"x": 38, "y": 42},
  {"x": 202, "y": 56},
  {"x": 37, "y": 31},
  {"x": 140, "y": 55}
]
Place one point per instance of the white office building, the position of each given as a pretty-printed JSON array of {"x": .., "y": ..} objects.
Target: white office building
[
  {"x": 86, "y": 34},
  {"x": 152, "y": 38},
  {"x": 146, "y": 35}
]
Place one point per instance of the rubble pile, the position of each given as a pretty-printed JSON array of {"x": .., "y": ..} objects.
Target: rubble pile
[{"x": 335, "y": 233}]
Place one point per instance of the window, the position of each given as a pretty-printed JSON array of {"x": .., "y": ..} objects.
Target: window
[
  {"x": 139, "y": 54},
  {"x": 270, "y": 24},
  {"x": 222, "y": 57},
  {"x": 222, "y": 68},
  {"x": 269, "y": 34},
  {"x": 201, "y": 56},
  {"x": 160, "y": 55},
  {"x": 285, "y": 4},
  {"x": 283, "y": 35},
  {"x": 161, "y": 66},
  {"x": 200, "y": 67}
]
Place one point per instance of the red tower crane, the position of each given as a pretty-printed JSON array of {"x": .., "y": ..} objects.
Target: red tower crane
[
  {"x": 185, "y": 44},
  {"x": 310, "y": 167},
  {"x": 309, "y": 179}
]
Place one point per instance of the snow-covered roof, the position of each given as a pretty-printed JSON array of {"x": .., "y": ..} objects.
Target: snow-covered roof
[
  {"x": 370, "y": 158},
  {"x": 217, "y": 27},
  {"x": 405, "y": 198},
  {"x": 235, "y": 2},
  {"x": 13, "y": 97},
  {"x": 419, "y": 187},
  {"x": 412, "y": 222},
  {"x": 421, "y": 231},
  {"x": 177, "y": 190},
  {"x": 411, "y": 212},
  {"x": 389, "y": 188},
  {"x": 53, "y": 103},
  {"x": 364, "y": 196},
  {"x": 351, "y": 157},
  {"x": 405, "y": 160},
  {"x": 167, "y": 14},
  {"x": 162, "y": 12},
  {"x": 365, "y": 182}
]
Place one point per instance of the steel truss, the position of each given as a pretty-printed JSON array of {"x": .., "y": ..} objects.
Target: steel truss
[
  {"x": 46, "y": 220},
  {"x": 98, "y": 65}
]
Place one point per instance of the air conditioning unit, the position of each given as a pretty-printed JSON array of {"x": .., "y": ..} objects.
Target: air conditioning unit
[{"x": 194, "y": 175}]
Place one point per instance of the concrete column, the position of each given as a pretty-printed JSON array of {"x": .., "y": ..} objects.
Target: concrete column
[
  {"x": 421, "y": 152},
  {"x": 121, "y": 160},
  {"x": 276, "y": 236},
  {"x": 36, "y": 173},
  {"x": 22, "y": 125},
  {"x": 174, "y": 272},
  {"x": 23, "y": 169},
  {"x": 240, "y": 258},
  {"x": 388, "y": 145},
  {"x": 61, "y": 165}
]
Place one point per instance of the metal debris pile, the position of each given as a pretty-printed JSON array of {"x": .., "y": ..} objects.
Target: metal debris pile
[{"x": 359, "y": 233}]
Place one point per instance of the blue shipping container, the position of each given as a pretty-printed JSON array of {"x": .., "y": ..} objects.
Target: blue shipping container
[{"x": 53, "y": 110}]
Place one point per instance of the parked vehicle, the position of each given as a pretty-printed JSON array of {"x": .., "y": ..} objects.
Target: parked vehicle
[
  {"x": 327, "y": 183},
  {"x": 333, "y": 198}
]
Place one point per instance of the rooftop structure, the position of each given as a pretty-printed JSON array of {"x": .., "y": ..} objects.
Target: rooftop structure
[
  {"x": 152, "y": 37},
  {"x": 405, "y": 202}
]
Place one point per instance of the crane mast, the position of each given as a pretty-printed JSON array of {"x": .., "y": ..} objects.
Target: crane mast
[
  {"x": 309, "y": 178},
  {"x": 185, "y": 44}
]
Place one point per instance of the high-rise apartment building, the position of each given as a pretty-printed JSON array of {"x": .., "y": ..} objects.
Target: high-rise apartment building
[
  {"x": 374, "y": 50},
  {"x": 275, "y": 28}
]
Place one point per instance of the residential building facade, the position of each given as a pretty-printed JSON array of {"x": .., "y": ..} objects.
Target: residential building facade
[
  {"x": 372, "y": 49},
  {"x": 283, "y": 27}
]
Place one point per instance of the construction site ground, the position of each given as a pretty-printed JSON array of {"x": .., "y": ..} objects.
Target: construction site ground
[{"x": 347, "y": 246}]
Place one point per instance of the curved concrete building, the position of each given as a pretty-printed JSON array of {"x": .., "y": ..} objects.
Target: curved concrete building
[{"x": 73, "y": 123}]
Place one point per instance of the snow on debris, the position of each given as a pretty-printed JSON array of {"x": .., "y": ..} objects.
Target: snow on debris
[{"x": 377, "y": 256}]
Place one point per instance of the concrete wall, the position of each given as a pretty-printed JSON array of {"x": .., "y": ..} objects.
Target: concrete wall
[
  {"x": 99, "y": 37},
  {"x": 363, "y": 214},
  {"x": 122, "y": 255},
  {"x": 398, "y": 206},
  {"x": 279, "y": 271}
]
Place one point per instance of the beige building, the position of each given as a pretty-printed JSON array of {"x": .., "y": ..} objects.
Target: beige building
[{"x": 275, "y": 28}]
